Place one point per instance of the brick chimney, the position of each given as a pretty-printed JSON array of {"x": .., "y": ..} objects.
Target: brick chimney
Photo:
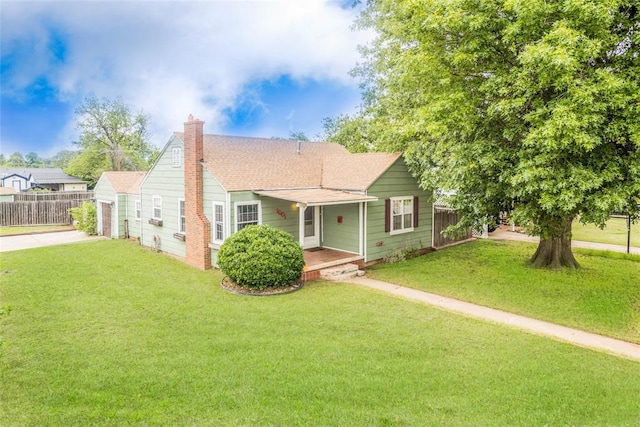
[{"x": 198, "y": 228}]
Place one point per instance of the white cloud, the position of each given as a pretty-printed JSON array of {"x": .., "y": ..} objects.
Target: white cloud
[{"x": 176, "y": 58}]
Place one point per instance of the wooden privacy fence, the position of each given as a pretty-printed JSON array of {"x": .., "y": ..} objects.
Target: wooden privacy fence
[
  {"x": 53, "y": 195},
  {"x": 442, "y": 218},
  {"x": 48, "y": 212}
]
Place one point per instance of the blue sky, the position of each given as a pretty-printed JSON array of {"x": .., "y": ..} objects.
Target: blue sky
[{"x": 258, "y": 68}]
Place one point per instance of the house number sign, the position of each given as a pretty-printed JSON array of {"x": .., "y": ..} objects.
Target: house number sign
[{"x": 281, "y": 213}]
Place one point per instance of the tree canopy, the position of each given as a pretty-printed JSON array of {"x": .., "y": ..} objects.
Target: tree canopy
[
  {"x": 528, "y": 106},
  {"x": 112, "y": 137}
]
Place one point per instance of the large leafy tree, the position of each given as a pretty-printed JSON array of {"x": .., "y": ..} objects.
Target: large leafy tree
[
  {"x": 112, "y": 136},
  {"x": 63, "y": 158},
  {"x": 526, "y": 105},
  {"x": 16, "y": 160},
  {"x": 34, "y": 160},
  {"x": 88, "y": 165}
]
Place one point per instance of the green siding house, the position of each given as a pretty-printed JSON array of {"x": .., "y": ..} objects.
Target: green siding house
[
  {"x": 117, "y": 197},
  {"x": 203, "y": 188}
]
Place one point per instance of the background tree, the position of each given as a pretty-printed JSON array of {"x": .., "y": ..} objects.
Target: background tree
[
  {"x": 16, "y": 160},
  {"x": 34, "y": 160},
  {"x": 63, "y": 158},
  {"x": 112, "y": 135},
  {"x": 532, "y": 106},
  {"x": 298, "y": 136},
  {"x": 352, "y": 132},
  {"x": 88, "y": 165}
]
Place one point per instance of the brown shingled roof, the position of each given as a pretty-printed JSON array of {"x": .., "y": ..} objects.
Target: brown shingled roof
[
  {"x": 242, "y": 163},
  {"x": 125, "y": 181},
  {"x": 356, "y": 171}
]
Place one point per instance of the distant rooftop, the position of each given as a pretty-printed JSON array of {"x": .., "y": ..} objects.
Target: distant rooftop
[{"x": 41, "y": 175}]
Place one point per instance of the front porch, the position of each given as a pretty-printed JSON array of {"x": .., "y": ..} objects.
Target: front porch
[{"x": 320, "y": 258}]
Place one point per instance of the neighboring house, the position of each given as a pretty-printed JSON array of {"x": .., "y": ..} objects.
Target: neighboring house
[
  {"x": 7, "y": 193},
  {"x": 23, "y": 179},
  {"x": 203, "y": 188},
  {"x": 117, "y": 197}
]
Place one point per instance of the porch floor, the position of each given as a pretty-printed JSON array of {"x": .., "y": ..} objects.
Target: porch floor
[{"x": 319, "y": 258}]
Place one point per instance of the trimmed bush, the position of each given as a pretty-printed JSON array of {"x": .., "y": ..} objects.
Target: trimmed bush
[
  {"x": 86, "y": 217},
  {"x": 261, "y": 256}
]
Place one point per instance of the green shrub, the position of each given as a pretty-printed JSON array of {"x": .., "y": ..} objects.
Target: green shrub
[
  {"x": 261, "y": 256},
  {"x": 399, "y": 254},
  {"x": 86, "y": 217}
]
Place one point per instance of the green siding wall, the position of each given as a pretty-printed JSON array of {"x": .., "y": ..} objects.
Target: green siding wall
[
  {"x": 340, "y": 236},
  {"x": 213, "y": 192},
  {"x": 281, "y": 214},
  {"x": 277, "y": 213},
  {"x": 396, "y": 182},
  {"x": 104, "y": 190},
  {"x": 134, "y": 225},
  {"x": 167, "y": 181},
  {"x": 121, "y": 209}
]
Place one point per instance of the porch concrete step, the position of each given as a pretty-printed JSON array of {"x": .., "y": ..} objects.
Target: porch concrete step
[{"x": 339, "y": 272}]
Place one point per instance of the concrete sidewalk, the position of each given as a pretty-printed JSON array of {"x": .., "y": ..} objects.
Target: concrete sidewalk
[
  {"x": 573, "y": 336},
  {"x": 504, "y": 234},
  {"x": 28, "y": 241}
]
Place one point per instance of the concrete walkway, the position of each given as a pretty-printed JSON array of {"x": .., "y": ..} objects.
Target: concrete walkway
[
  {"x": 28, "y": 241},
  {"x": 573, "y": 336},
  {"x": 504, "y": 234}
]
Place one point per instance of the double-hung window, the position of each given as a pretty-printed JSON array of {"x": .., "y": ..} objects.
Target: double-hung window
[
  {"x": 218, "y": 222},
  {"x": 157, "y": 207},
  {"x": 401, "y": 215},
  {"x": 247, "y": 213},
  {"x": 138, "y": 210},
  {"x": 182, "y": 222}
]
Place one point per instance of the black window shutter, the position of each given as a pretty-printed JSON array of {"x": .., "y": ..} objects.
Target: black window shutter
[
  {"x": 387, "y": 215},
  {"x": 415, "y": 212}
]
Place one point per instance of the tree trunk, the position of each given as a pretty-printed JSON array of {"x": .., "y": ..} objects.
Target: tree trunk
[{"x": 554, "y": 250}]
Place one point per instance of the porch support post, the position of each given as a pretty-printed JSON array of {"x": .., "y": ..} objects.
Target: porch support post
[
  {"x": 361, "y": 228},
  {"x": 301, "y": 208}
]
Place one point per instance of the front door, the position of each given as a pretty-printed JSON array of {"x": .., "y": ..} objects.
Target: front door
[{"x": 311, "y": 227}]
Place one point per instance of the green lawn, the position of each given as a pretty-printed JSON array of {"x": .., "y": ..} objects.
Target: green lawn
[
  {"x": 109, "y": 333},
  {"x": 615, "y": 232},
  {"x": 602, "y": 297},
  {"x": 27, "y": 229}
]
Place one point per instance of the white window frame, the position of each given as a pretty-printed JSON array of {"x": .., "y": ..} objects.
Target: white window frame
[
  {"x": 157, "y": 206},
  {"x": 177, "y": 157},
  {"x": 138, "y": 209},
  {"x": 182, "y": 215},
  {"x": 218, "y": 221},
  {"x": 253, "y": 202},
  {"x": 401, "y": 214}
]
